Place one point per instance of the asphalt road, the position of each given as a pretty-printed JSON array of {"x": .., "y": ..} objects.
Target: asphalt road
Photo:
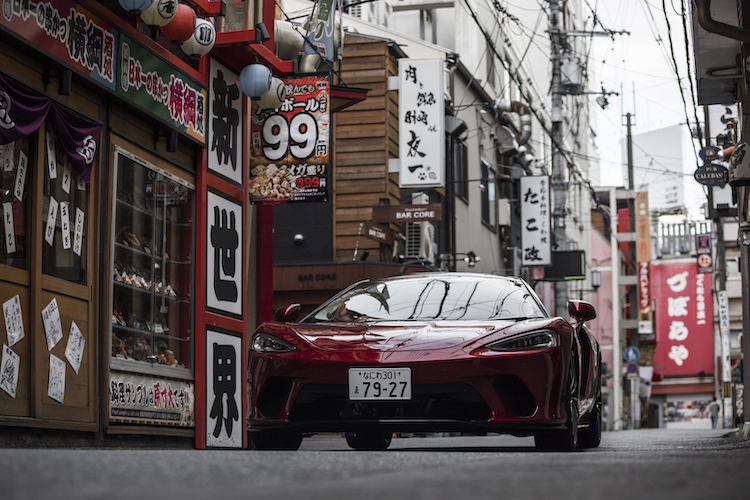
[{"x": 641, "y": 464}]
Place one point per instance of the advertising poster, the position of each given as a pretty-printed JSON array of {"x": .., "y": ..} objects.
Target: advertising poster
[
  {"x": 290, "y": 146},
  {"x": 146, "y": 400},
  {"x": 684, "y": 319}
]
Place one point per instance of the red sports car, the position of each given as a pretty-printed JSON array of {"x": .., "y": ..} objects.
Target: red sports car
[{"x": 428, "y": 352}]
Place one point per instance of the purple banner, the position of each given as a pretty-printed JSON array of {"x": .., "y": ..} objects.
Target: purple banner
[{"x": 22, "y": 114}]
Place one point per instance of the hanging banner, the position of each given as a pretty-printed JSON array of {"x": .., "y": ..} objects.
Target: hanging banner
[
  {"x": 320, "y": 39},
  {"x": 535, "y": 221},
  {"x": 684, "y": 321},
  {"x": 22, "y": 114},
  {"x": 421, "y": 118},
  {"x": 643, "y": 257},
  {"x": 152, "y": 84},
  {"x": 289, "y": 159},
  {"x": 67, "y": 31},
  {"x": 704, "y": 253}
]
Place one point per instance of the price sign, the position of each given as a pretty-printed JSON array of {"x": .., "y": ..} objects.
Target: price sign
[{"x": 290, "y": 145}]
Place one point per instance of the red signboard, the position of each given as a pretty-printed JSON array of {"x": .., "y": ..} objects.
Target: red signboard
[
  {"x": 289, "y": 151},
  {"x": 684, "y": 319}
]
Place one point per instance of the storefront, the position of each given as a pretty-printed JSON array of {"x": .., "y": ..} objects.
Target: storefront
[{"x": 125, "y": 265}]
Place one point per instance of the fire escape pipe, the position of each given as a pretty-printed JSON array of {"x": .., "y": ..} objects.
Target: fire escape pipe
[
  {"x": 523, "y": 111},
  {"x": 712, "y": 26}
]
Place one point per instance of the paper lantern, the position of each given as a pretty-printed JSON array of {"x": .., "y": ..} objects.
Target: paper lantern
[
  {"x": 160, "y": 12},
  {"x": 134, "y": 7},
  {"x": 275, "y": 95},
  {"x": 255, "y": 80},
  {"x": 202, "y": 40},
  {"x": 182, "y": 25}
]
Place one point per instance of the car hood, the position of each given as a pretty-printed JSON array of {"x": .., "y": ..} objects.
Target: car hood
[{"x": 383, "y": 336}]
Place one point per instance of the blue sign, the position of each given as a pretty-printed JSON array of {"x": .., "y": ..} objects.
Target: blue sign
[{"x": 632, "y": 354}]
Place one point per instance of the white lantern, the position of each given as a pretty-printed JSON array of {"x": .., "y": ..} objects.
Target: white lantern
[
  {"x": 275, "y": 95},
  {"x": 133, "y": 7},
  {"x": 160, "y": 12},
  {"x": 202, "y": 41},
  {"x": 255, "y": 80}
]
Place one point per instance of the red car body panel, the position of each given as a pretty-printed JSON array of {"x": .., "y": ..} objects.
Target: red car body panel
[{"x": 523, "y": 391}]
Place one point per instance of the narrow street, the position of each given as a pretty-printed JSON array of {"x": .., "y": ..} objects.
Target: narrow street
[{"x": 643, "y": 464}]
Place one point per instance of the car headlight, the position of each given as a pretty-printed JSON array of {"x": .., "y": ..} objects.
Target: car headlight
[
  {"x": 543, "y": 339},
  {"x": 263, "y": 342}
]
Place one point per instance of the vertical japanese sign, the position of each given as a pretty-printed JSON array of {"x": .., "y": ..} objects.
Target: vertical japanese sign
[
  {"x": 535, "y": 221},
  {"x": 704, "y": 253},
  {"x": 290, "y": 145},
  {"x": 684, "y": 322},
  {"x": 224, "y": 386},
  {"x": 224, "y": 268},
  {"x": 643, "y": 248},
  {"x": 421, "y": 118},
  {"x": 225, "y": 123},
  {"x": 320, "y": 40},
  {"x": 67, "y": 31},
  {"x": 152, "y": 84}
]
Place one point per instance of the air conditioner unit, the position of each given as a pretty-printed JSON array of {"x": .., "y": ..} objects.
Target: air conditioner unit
[{"x": 420, "y": 241}]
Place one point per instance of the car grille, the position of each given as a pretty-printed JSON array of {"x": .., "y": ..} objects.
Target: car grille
[{"x": 455, "y": 401}]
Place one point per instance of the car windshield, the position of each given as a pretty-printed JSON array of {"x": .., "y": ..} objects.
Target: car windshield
[{"x": 431, "y": 299}]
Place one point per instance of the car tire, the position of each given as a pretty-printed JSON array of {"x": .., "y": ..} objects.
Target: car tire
[
  {"x": 592, "y": 436},
  {"x": 275, "y": 440},
  {"x": 369, "y": 440},
  {"x": 567, "y": 439}
]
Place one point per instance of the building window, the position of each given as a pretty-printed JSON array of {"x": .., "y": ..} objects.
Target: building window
[
  {"x": 490, "y": 54},
  {"x": 461, "y": 169},
  {"x": 489, "y": 194}
]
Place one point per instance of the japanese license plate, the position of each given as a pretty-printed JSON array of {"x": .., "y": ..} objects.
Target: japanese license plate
[{"x": 379, "y": 384}]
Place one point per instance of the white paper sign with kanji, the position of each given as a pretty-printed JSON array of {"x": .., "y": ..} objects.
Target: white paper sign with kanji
[
  {"x": 421, "y": 123},
  {"x": 224, "y": 389},
  {"x": 224, "y": 268},
  {"x": 225, "y": 123},
  {"x": 536, "y": 237}
]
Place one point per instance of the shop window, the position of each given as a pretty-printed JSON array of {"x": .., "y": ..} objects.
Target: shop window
[
  {"x": 15, "y": 196},
  {"x": 64, "y": 217},
  {"x": 152, "y": 267}
]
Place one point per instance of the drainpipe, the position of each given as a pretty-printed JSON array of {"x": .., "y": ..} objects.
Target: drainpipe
[
  {"x": 523, "y": 111},
  {"x": 712, "y": 26}
]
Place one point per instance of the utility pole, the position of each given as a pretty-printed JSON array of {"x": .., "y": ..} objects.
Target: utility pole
[
  {"x": 635, "y": 400},
  {"x": 559, "y": 186}
]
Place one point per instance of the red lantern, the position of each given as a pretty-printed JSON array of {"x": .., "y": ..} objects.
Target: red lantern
[{"x": 181, "y": 27}]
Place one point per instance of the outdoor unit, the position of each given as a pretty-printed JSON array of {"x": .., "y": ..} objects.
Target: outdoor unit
[{"x": 420, "y": 241}]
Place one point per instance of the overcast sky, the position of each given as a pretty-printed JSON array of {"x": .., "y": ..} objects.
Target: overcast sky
[{"x": 639, "y": 67}]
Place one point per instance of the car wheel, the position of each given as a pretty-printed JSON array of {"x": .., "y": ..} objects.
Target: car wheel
[
  {"x": 567, "y": 439},
  {"x": 369, "y": 440},
  {"x": 275, "y": 440},
  {"x": 592, "y": 437}
]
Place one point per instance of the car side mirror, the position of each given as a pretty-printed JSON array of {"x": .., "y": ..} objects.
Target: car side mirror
[
  {"x": 581, "y": 311},
  {"x": 287, "y": 314}
]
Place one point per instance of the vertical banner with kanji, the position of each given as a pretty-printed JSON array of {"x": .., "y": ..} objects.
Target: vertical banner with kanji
[
  {"x": 224, "y": 387},
  {"x": 535, "y": 221},
  {"x": 224, "y": 255},
  {"x": 290, "y": 145},
  {"x": 421, "y": 118},
  {"x": 684, "y": 319},
  {"x": 643, "y": 246},
  {"x": 225, "y": 120}
]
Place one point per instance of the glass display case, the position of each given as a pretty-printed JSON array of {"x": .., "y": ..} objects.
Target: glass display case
[{"x": 152, "y": 268}]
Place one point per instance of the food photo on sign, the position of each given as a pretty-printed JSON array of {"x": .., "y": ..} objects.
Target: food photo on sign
[{"x": 290, "y": 146}]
